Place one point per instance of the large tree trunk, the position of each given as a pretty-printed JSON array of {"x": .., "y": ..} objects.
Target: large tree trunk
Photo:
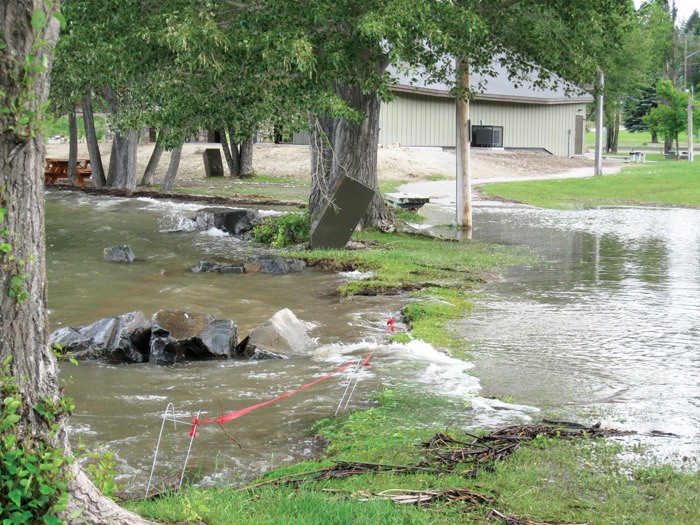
[
  {"x": 339, "y": 146},
  {"x": 122, "y": 161},
  {"x": 173, "y": 166},
  {"x": 72, "y": 148},
  {"x": 23, "y": 320},
  {"x": 98, "y": 172},
  {"x": 150, "y": 172}
]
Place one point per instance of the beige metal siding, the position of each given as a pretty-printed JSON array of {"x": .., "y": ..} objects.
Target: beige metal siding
[{"x": 417, "y": 120}]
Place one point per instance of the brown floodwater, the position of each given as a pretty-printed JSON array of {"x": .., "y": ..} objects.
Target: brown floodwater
[{"x": 121, "y": 407}]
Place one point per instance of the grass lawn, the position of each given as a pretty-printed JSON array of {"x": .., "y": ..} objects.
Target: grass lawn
[
  {"x": 630, "y": 140},
  {"x": 674, "y": 183}
]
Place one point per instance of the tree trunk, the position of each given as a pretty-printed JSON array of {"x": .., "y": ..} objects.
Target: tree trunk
[
  {"x": 72, "y": 148},
  {"x": 245, "y": 150},
  {"x": 614, "y": 129},
  {"x": 150, "y": 172},
  {"x": 23, "y": 320},
  {"x": 122, "y": 162},
  {"x": 173, "y": 166},
  {"x": 232, "y": 170},
  {"x": 654, "y": 137},
  {"x": 98, "y": 173},
  {"x": 339, "y": 146}
]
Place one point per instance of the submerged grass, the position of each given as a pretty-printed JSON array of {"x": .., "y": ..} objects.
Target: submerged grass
[{"x": 650, "y": 184}]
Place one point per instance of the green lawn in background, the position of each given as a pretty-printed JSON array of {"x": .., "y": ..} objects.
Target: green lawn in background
[{"x": 673, "y": 183}]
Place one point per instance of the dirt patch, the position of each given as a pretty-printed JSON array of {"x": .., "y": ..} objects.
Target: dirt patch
[{"x": 394, "y": 163}]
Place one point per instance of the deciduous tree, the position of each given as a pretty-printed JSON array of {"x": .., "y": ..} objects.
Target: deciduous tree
[{"x": 34, "y": 414}]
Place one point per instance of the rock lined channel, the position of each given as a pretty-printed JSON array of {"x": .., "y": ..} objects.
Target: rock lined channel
[{"x": 172, "y": 337}]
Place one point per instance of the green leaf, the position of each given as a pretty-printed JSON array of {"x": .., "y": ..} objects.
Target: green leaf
[
  {"x": 15, "y": 496},
  {"x": 38, "y": 20},
  {"x": 61, "y": 19}
]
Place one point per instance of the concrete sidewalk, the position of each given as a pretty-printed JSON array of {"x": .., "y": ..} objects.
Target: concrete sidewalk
[{"x": 444, "y": 192}]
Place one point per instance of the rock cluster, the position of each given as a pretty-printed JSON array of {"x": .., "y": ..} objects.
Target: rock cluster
[{"x": 172, "y": 337}]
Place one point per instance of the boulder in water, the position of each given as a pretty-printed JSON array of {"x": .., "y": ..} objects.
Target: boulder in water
[
  {"x": 231, "y": 220},
  {"x": 283, "y": 333},
  {"x": 119, "y": 254}
]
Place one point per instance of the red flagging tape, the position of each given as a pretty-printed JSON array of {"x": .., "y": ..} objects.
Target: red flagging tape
[{"x": 243, "y": 411}]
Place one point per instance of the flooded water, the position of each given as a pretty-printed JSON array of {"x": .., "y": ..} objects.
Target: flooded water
[
  {"x": 121, "y": 406},
  {"x": 606, "y": 328}
]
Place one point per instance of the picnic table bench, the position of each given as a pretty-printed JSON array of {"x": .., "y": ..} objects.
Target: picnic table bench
[
  {"x": 58, "y": 169},
  {"x": 406, "y": 201}
]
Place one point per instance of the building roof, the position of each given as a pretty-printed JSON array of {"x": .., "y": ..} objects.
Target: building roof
[{"x": 498, "y": 88}]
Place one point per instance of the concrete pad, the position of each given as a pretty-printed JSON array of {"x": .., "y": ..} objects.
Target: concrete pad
[{"x": 349, "y": 200}]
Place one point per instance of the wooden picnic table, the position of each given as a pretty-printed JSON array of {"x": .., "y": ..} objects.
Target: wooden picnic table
[{"x": 58, "y": 169}]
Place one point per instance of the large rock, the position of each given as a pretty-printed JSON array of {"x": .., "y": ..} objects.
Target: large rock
[
  {"x": 232, "y": 220},
  {"x": 282, "y": 333},
  {"x": 122, "y": 339},
  {"x": 119, "y": 254},
  {"x": 177, "y": 336}
]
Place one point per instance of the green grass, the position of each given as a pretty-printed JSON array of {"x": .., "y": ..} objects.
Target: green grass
[
  {"x": 627, "y": 140},
  {"x": 60, "y": 127},
  {"x": 652, "y": 184},
  {"x": 403, "y": 262},
  {"x": 580, "y": 481}
]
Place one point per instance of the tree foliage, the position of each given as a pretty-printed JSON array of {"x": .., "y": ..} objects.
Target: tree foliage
[{"x": 670, "y": 117}]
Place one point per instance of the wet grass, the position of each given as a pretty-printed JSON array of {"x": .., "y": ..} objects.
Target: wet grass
[
  {"x": 652, "y": 184},
  {"x": 578, "y": 481}
]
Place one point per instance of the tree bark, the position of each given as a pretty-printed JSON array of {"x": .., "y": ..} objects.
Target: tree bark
[
  {"x": 98, "y": 173},
  {"x": 232, "y": 168},
  {"x": 340, "y": 146},
  {"x": 150, "y": 172},
  {"x": 23, "y": 323},
  {"x": 122, "y": 161},
  {"x": 72, "y": 148},
  {"x": 245, "y": 150},
  {"x": 173, "y": 166}
]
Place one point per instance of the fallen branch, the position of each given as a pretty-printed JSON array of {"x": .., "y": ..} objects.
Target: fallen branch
[{"x": 513, "y": 520}]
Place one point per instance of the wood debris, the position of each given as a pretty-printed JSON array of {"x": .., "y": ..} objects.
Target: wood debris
[{"x": 513, "y": 520}]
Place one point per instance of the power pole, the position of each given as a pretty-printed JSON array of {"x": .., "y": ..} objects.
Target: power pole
[
  {"x": 598, "y": 170},
  {"x": 463, "y": 150}
]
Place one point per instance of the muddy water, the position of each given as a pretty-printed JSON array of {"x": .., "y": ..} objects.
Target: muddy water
[
  {"x": 606, "y": 327},
  {"x": 120, "y": 407}
]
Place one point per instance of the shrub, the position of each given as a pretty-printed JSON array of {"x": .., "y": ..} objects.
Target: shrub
[
  {"x": 283, "y": 230},
  {"x": 32, "y": 477}
]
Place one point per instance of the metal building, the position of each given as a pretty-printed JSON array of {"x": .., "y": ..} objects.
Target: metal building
[
  {"x": 423, "y": 114},
  {"x": 531, "y": 118}
]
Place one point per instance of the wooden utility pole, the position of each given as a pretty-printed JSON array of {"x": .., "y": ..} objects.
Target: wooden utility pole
[
  {"x": 464, "y": 180},
  {"x": 599, "y": 124}
]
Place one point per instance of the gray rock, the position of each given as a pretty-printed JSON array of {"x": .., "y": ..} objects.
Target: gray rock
[
  {"x": 122, "y": 339},
  {"x": 219, "y": 267},
  {"x": 232, "y": 220},
  {"x": 282, "y": 333},
  {"x": 178, "y": 336},
  {"x": 281, "y": 265},
  {"x": 247, "y": 350},
  {"x": 119, "y": 254}
]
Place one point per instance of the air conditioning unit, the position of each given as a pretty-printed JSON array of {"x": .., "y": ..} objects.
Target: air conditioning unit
[{"x": 487, "y": 136}]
